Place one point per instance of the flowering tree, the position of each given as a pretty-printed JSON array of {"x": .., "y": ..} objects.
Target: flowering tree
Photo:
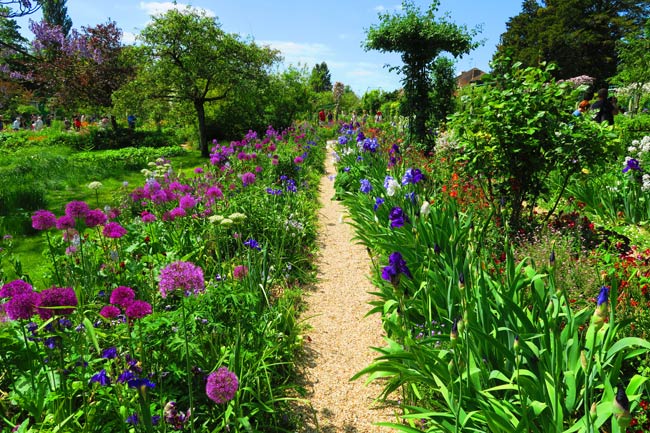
[{"x": 84, "y": 67}]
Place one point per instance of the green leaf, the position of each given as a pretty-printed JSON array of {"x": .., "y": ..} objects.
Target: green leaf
[{"x": 90, "y": 333}]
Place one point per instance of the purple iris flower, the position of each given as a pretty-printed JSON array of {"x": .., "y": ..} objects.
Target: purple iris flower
[
  {"x": 631, "y": 164},
  {"x": 366, "y": 187},
  {"x": 396, "y": 267},
  {"x": 603, "y": 296},
  {"x": 397, "y": 218},
  {"x": 378, "y": 202}
]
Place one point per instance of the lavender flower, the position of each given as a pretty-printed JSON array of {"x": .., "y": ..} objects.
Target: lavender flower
[
  {"x": 221, "y": 385},
  {"x": 43, "y": 220},
  {"x": 181, "y": 275},
  {"x": 114, "y": 230}
]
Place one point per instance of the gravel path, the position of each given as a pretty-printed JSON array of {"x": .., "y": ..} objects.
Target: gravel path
[{"x": 338, "y": 343}]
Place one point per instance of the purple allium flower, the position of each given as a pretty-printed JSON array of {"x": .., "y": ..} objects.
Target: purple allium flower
[
  {"x": 603, "y": 296},
  {"x": 14, "y": 288},
  {"x": 21, "y": 306},
  {"x": 240, "y": 272},
  {"x": 187, "y": 202},
  {"x": 113, "y": 230},
  {"x": 147, "y": 217},
  {"x": 378, "y": 202},
  {"x": 138, "y": 309},
  {"x": 396, "y": 267},
  {"x": 122, "y": 296},
  {"x": 101, "y": 378},
  {"x": 50, "y": 301},
  {"x": 248, "y": 178},
  {"x": 95, "y": 217},
  {"x": 221, "y": 385},
  {"x": 397, "y": 217},
  {"x": 198, "y": 170},
  {"x": 298, "y": 160},
  {"x": 77, "y": 209},
  {"x": 214, "y": 191},
  {"x": 43, "y": 220},
  {"x": 181, "y": 275},
  {"x": 109, "y": 312},
  {"x": 177, "y": 212},
  {"x": 252, "y": 243},
  {"x": 366, "y": 187},
  {"x": 412, "y": 175},
  {"x": 65, "y": 222},
  {"x": 631, "y": 164},
  {"x": 109, "y": 353}
]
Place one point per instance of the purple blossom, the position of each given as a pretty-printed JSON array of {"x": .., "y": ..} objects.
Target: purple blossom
[
  {"x": 110, "y": 353},
  {"x": 140, "y": 383},
  {"x": 21, "y": 306},
  {"x": 397, "y": 218},
  {"x": 181, "y": 275},
  {"x": 177, "y": 212},
  {"x": 412, "y": 175},
  {"x": 366, "y": 187},
  {"x": 298, "y": 160},
  {"x": 631, "y": 164},
  {"x": 248, "y": 178},
  {"x": 14, "y": 288},
  {"x": 252, "y": 243},
  {"x": 109, "y": 312},
  {"x": 132, "y": 419},
  {"x": 214, "y": 191},
  {"x": 43, "y": 220},
  {"x": 378, "y": 202},
  {"x": 95, "y": 217},
  {"x": 101, "y": 378},
  {"x": 239, "y": 272},
  {"x": 370, "y": 145},
  {"x": 174, "y": 417},
  {"x": 122, "y": 296},
  {"x": 221, "y": 385},
  {"x": 603, "y": 296},
  {"x": 113, "y": 230},
  {"x": 187, "y": 202},
  {"x": 50, "y": 301},
  {"x": 138, "y": 309},
  {"x": 396, "y": 267},
  {"x": 147, "y": 217},
  {"x": 77, "y": 209},
  {"x": 65, "y": 222}
]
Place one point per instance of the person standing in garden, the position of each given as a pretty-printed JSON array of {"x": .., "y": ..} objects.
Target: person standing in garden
[
  {"x": 603, "y": 108},
  {"x": 583, "y": 107},
  {"x": 16, "y": 125},
  {"x": 321, "y": 117}
]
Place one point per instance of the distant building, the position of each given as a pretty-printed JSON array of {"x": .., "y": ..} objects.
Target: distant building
[{"x": 469, "y": 77}]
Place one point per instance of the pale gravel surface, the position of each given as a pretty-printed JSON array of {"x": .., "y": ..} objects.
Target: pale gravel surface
[{"x": 338, "y": 343}]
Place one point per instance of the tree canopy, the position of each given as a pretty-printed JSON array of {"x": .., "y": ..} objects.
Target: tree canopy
[
  {"x": 579, "y": 36},
  {"x": 320, "y": 79},
  {"x": 55, "y": 12},
  {"x": 420, "y": 39},
  {"x": 189, "y": 58}
]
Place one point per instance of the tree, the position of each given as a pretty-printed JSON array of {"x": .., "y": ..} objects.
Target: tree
[
  {"x": 579, "y": 36},
  {"x": 24, "y": 7},
  {"x": 12, "y": 49},
  {"x": 83, "y": 68},
  {"x": 56, "y": 13},
  {"x": 320, "y": 79},
  {"x": 190, "y": 58},
  {"x": 420, "y": 39},
  {"x": 443, "y": 80}
]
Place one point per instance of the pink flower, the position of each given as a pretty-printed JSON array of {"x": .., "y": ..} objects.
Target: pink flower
[
  {"x": 43, "y": 220},
  {"x": 298, "y": 160},
  {"x": 248, "y": 178},
  {"x": 51, "y": 300},
  {"x": 138, "y": 309},
  {"x": 122, "y": 296},
  {"x": 240, "y": 272},
  {"x": 113, "y": 230},
  {"x": 109, "y": 312}
]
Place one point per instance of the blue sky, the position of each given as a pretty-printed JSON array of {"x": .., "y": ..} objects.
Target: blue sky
[{"x": 309, "y": 32}]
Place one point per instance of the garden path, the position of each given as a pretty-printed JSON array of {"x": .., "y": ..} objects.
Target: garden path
[{"x": 338, "y": 343}]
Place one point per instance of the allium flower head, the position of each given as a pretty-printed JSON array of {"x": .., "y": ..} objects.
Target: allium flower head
[
  {"x": 65, "y": 222},
  {"x": 95, "y": 217},
  {"x": 50, "y": 301},
  {"x": 187, "y": 202},
  {"x": 181, "y": 275},
  {"x": 109, "y": 312},
  {"x": 113, "y": 230},
  {"x": 138, "y": 309},
  {"x": 221, "y": 385},
  {"x": 240, "y": 272},
  {"x": 298, "y": 160},
  {"x": 43, "y": 220},
  {"x": 14, "y": 288},
  {"x": 248, "y": 178},
  {"x": 147, "y": 217},
  {"x": 95, "y": 185},
  {"x": 122, "y": 296},
  {"x": 21, "y": 306},
  {"x": 76, "y": 209}
]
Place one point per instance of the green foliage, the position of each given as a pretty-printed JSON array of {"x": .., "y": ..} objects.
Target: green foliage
[
  {"x": 420, "y": 39},
  {"x": 579, "y": 36},
  {"x": 634, "y": 57},
  {"x": 517, "y": 129},
  {"x": 320, "y": 79}
]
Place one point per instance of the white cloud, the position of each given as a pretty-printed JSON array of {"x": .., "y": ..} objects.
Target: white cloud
[
  {"x": 159, "y": 8},
  {"x": 128, "y": 38},
  {"x": 295, "y": 53}
]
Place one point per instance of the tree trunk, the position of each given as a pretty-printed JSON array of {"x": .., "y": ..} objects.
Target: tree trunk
[{"x": 203, "y": 140}]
